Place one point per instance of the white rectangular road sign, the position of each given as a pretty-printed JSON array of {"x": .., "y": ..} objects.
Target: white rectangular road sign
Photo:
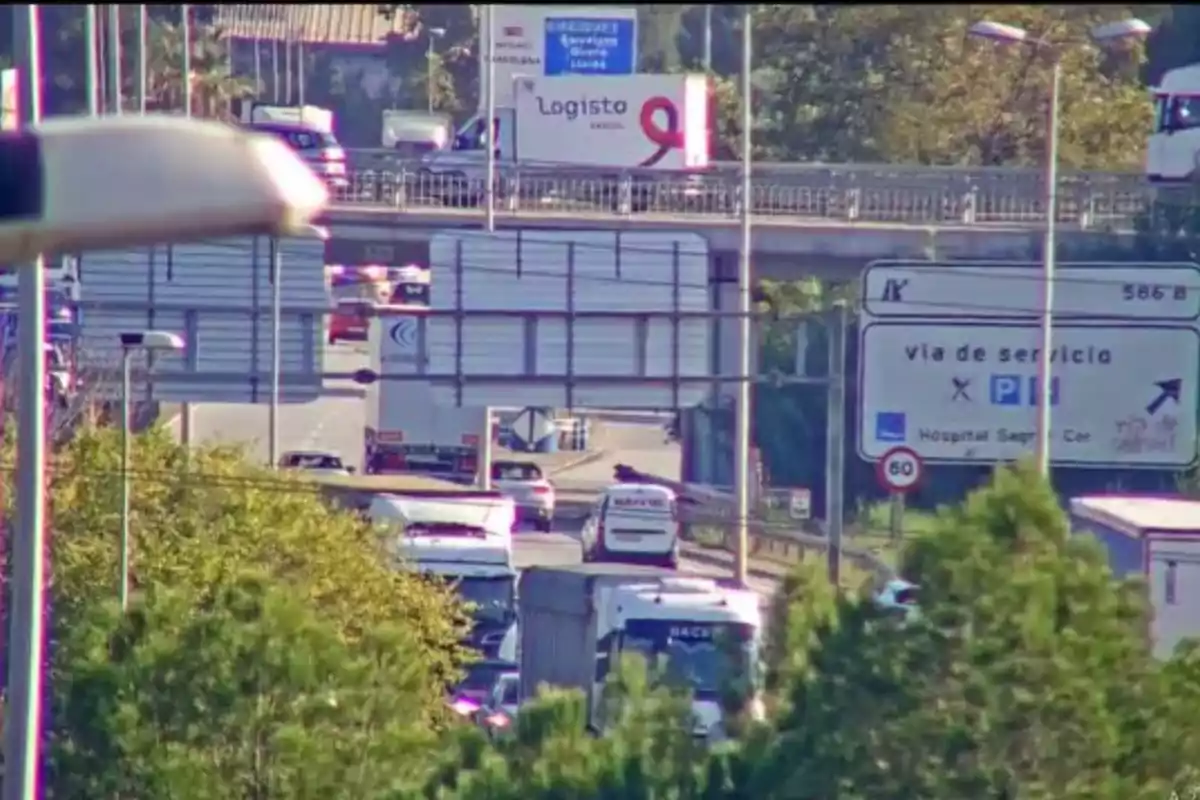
[
  {"x": 550, "y": 345},
  {"x": 957, "y": 392},
  {"x": 1005, "y": 290},
  {"x": 217, "y": 295}
]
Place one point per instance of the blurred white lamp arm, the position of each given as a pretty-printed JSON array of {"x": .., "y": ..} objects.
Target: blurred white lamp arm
[{"x": 109, "y": 182}]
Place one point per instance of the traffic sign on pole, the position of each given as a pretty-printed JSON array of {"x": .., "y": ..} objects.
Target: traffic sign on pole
[{"x": 899, "y": 469}]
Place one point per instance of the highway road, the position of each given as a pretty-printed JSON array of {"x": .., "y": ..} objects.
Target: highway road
[{"x": 336, "y": 424}]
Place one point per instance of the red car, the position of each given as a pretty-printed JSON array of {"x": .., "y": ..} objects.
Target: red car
[{"x": 349, "y": 323}]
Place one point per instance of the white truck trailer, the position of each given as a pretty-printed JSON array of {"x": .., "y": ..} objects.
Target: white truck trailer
[
  {"x": 1156, "y": 537},
  {"x": 635, "y": 125},
  {"x": 576, "y": 621}
]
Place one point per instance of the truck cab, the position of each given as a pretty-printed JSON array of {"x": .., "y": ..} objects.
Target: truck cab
[
  {"x": 703, "y": 636},
  {"x": 469, "y": 545},
  {"x": 1173, "y": 151},
  {"x": 577, "y": 621}
]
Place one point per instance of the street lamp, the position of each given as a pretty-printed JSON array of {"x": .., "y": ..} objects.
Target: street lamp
[
  {"x": 1105, "y": 34},
  {"x": 139, "y": 341},
  {"x": 434, "y": 35}
]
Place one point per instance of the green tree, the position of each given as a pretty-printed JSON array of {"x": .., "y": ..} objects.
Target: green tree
[
  {"x": 202, "y": 521},
  {"x": 242, "y": 690},
  {"x": 1025, "y": 674}
]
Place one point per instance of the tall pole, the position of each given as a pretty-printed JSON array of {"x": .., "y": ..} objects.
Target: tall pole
[
  {"x": 187, "y": 414},
  {"x": 185, "y": 32},
  {"x": 741, "y": 436},
  {"x": 300, "y": 71},
  {"x": 22, "y": 714},
  {"x": 276, "y": 356},
  {"x": 708, "y": 37},
  {"x": 92, "y": 54},
  {"x": 258, "y": 87},
  {"x": 126, "y": 381},
  {"x": 835, "y": 442},
  {"x": 143, "y": 58},
  {"x": 275, "y": 71},
  {"x": 1045, "y": 379},
  {"x": 429, "y": 73},
  {"x": 490, "y": 115},
  {"x": 287, "y": 68},
  {"x": 114, "y": 58}
]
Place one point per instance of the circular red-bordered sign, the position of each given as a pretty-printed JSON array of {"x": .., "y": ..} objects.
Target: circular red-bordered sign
[{"x": 899, "y": 469}]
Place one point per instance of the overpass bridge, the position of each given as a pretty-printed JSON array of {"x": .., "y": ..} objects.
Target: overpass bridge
[{"x": 827, "y": 221}]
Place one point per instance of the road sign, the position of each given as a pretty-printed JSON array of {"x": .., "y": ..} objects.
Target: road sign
[
  {"x": 981, "y": 290},
  {"x": 957, "y": 392},
  {"x": 545, "y": 340},
  {"x": 800, "y": 503},
  {"x": 531, "y": 426},
  {"x": 899, "y": 469},
  {"x": 218, "y": 296},
  {"x": 590, "y": 46}
]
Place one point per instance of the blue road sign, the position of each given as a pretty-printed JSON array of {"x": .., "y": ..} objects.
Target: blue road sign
[
  {"x": 583, "y": 46},
  {"x": 1017, "y": 390},
  {"x": 890, "y": 426}
]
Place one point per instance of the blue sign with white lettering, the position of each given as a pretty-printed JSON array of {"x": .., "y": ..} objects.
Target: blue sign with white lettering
[
  {"x": 1006, "y": 390},
  {"x": 582, "y": 46}
]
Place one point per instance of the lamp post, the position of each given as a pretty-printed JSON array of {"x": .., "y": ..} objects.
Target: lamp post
[
  {"x": 434, "y": 35},
  {"x": 144, "y": 341},
  {"x": 1011, "y": 34},
  {"x": 742, "y": 474}
]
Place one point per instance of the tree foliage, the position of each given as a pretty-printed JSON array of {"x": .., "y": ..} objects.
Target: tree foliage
[{"x": 1026, "y": 672}]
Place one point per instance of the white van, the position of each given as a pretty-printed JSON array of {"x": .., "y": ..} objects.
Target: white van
[
  {"x": 633, "y": 522},
  {"x": 1173, "y": 152}
]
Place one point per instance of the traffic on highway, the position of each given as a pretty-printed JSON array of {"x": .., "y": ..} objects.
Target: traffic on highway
[{"x": 540, "y": 508}]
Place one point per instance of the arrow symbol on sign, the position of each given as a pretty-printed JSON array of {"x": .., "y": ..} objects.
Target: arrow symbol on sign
[{"x": 1167, "y": 390}]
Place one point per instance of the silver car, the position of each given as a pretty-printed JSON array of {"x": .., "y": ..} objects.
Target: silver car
[{"x": 524, "y": 482}]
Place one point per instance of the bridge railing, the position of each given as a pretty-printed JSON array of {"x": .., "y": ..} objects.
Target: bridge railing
[{"x": 883, "y": 196}]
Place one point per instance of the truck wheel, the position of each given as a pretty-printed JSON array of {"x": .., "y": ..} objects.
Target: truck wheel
[{"x": 545, "y": 525}]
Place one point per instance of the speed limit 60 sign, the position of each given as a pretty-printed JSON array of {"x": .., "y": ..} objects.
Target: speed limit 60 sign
[{"x": 899, "y": 469}]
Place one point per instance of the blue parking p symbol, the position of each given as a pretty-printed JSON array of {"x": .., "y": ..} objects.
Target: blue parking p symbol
[{"x": 1005, "y": 390}]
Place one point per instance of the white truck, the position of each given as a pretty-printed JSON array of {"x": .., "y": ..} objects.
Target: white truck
[
  {"x": 412, "y": 433},
  {"x": 632, "y": 125},
  {"x": 1154, "y": 537},
  {"x": 576, "y": 621},
  {"x": 466, "y": 541},
  {"x": 1173, "y": 151}
]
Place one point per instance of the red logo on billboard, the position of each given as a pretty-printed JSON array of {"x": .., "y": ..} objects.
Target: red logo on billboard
[
  {"x": 514, "y": 30},
  {"x": 668, "y": 138}
]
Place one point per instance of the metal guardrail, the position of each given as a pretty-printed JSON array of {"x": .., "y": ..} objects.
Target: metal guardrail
[{"x": 880, "y": 195}]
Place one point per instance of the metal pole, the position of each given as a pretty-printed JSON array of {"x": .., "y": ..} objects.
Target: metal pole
[
  {"x": 287, "y": 69},
  {"x": 92, "y": 54},
  {"x": 835, "y": 441},
  {"x": 126, "y": 370},
  {"x": 275, "y": 70},
  {"x": 185, "y": 31},
  {"x": 114, "y": 58},
  {"x": 276, "y": 356},
  {"x": 742, "y": 411},
  {"x": 22, "y": 714},
  {"x": 708, "y": 37},
  {"x": 143, "y": 57},
  {"x": 300, "y": 70},
  {"x": 1045, "y": 395},
  {"x": 492, "y": 127},
  {"x": 257, "y": 68},
  {"x": 485, "y": 452},
  {"x": 429, "y": 73}
]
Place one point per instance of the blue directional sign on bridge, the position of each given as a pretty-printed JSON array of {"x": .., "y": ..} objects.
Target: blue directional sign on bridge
[{"x": 590, "y": 46}]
